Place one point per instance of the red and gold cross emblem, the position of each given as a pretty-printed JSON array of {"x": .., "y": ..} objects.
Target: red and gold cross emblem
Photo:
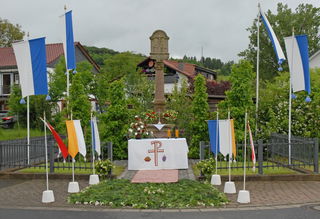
[{"x": 156, "y": 149}]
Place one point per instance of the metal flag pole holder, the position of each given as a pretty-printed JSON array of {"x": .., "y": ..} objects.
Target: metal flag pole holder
[
  {"x": 229, "y": 187},
  {"x": 244, "y": 195},
  {"x": 94, "y": 178},
  {"x": 216, "y": 179},
  {"x": 47, "y": 195}
]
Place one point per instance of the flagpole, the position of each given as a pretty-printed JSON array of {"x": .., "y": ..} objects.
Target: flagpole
[
  {"x": 290, "y": 99},
  {"x": 46, "y": 147},
  {"x": 245, "y": 150},
  {"x": 258, "y": 60},
  {"x": 217, "y": 128},
  {"x": 28, "y": 129},
  {"x": 92, "y": 137},
  {"x": 230, "y": 148}
]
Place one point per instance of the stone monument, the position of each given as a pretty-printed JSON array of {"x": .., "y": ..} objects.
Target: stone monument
[{"x": 159, "y": 52}]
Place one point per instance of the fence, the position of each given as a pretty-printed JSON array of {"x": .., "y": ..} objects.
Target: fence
[
  {"x": 274, "y": 153},
  {"x": 14, "y": 154}
]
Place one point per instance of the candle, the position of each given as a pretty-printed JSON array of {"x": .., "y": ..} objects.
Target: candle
[
  {"x": 177, "y": 133},
  {"x": 169, "y": 133}
]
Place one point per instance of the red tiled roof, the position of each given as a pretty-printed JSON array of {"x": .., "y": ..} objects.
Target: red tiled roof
[
  {"x": 184, "y": 68},
  {"x": 53, "y": 52}
]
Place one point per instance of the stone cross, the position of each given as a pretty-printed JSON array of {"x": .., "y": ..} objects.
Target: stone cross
[{"x": 159, "y": 52}]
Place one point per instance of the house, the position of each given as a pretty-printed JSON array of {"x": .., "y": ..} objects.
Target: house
[
  {"x": 9, "y": 73},
  {"x": 176, "y": 72},
  {"x": 314, "y": 60}
]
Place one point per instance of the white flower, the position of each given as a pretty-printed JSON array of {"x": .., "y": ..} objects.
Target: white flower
[
  {"x": 135, "y": 133},
  {"x": 130, "y": 130}
]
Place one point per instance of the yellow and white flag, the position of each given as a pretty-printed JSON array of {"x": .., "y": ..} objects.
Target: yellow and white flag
[{"x": 76, "y": 141}]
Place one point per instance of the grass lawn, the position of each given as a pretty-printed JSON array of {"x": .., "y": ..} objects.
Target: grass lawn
[
  {"x": 239, "y": 171},
  {"x": 16, "y": 133},
  {"x": 123, "y": 193},
  {"x": 68, "y": 168}
]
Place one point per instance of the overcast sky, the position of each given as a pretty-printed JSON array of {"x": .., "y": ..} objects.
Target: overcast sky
[{"x": 219, "y": 26}]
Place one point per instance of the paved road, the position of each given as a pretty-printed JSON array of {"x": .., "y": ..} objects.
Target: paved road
[{"x": 290, "y": 213}]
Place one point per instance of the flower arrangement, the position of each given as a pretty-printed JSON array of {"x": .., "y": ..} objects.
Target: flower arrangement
[
  {"x": 168, "y": 116},
  {"x": 104, "y": 168},
  {"x": 152, "y": 117},
  {"x": 138, "y": 129}
]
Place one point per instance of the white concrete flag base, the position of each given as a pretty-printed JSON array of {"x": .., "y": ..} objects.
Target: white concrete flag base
[
  {"x": 243, "y": 196},
  {"x": 94, "y": 179},
  {"x": 73, "y": 187},
  {"x": 47, "y": 196},
  {"x": 229, "y": 188},
  {"x": 215, "y": 180}
]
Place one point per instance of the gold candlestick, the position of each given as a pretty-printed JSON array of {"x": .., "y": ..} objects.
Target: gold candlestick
[{"x": 169, "y": 133}]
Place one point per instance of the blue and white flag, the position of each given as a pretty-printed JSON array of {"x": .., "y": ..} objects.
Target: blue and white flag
[
  {"x": 95, "y": 136},
  {"x": 298, "y": 59},
  {"x": 32, "y": 66},
  {"x": 68, "y": 41},
  {"x": 213, "y": 127},
  {"x": 275, "y": 43},
  {"x": 222, "y": 138}
]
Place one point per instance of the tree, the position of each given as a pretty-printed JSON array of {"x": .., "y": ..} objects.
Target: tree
[
  {"x": 305, "y": 20},
  {"x": 122, "y": 65},
  {"x": 273, "y": 110},
  {"x": 116, "y": 120},
  {"x": 239, "y": 97},
  {"x": 180, "y": 102},
  {"x": 37, "y": 105},
  {"x": 200, "y": 110},
  {"x": 80, "y": 105},
  {"x": 9, "y": 33}
]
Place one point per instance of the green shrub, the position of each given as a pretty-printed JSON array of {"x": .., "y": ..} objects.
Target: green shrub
[
  {"x": 206, "y": 167},
  {"x": 104, "y": 168}
]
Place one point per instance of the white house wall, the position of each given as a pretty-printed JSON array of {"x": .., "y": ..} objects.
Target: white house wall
[
  {"x": 315, "y": 61},
  {"x": 168, "y": 87}
]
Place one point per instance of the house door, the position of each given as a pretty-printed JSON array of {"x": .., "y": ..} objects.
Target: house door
[{"x": 6, "y": 83}]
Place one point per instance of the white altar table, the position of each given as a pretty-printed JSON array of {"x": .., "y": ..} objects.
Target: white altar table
[{"x": 159, "y": 153}]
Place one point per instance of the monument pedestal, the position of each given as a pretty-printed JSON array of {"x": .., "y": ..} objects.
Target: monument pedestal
[{"x": 163, "y": 132}]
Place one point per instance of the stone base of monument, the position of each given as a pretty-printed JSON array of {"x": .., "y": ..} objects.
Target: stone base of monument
[
  {"x": 47, "y": 196},
  {"x": 216, "y": 180},
  {"x": 243, "y": 197},
  {"x": 229, "y": 188},
  {"x": 73, "y": 187},
  {"x": 94, "y": 179},
  {"x": 161, "y": 130}
]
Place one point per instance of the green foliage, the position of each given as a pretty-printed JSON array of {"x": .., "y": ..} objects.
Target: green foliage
[
  {"x": 123, "y": 65},
  {"x": 100, "y": 55},
  {"x": 206, "y": 167},
  {"x": 273, "y": 108},
  {"x": 123, "y": 193},
  {"x": 180, "y": 102},
  {"x": 239, "y": 98},
  {"x": 116, "y": 120},
  {"x": 80, "y": 105},
  {"x": 9, "y": 33},
  {"x": 305, "y": 20},
  {"x": 104, "y": 168},
  {"x": 200, "y": 110},
  {"x": 38, "y": 105}
]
